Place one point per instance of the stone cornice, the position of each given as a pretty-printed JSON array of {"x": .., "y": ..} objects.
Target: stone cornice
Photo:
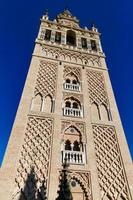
[{"x": 102, "y": 55}]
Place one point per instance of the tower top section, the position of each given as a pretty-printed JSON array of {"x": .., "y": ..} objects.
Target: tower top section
[
  {"x": 65, "y": 32},
  {"x": 66, "y": 18}
]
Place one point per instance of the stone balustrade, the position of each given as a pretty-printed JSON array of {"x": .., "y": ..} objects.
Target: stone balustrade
[
  {"x": 72, "y": 112},
  {"x": 73, "y": 157},
  {"x": 72, "y": 87}
]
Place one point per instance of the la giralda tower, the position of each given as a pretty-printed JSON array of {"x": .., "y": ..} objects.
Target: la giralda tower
[{"x": 67, "y": 114}]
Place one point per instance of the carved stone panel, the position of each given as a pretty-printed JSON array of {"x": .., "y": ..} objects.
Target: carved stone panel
[
  {"x": 80, "y": 126},
  {"x": 74, "y": 70},
  {"x": 96, "y": 87},
  {"x": 46, "y": 78},
  {"x": 111, "y": 173},
  {"x": 79, "y": 97},
  {"x": 34, "y": 161}
]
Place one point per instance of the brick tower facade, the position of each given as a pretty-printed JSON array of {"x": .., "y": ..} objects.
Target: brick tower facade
[{"x": 67, "y": 113}]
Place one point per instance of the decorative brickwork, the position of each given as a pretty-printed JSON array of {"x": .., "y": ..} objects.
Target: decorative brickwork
[
  {"x": 79, "y": 97},
  {"x": 71, "y": 56},
  {"x": 46, "y": 79},
  {"x": 96, "y": 87},
  {"x": 35, "y": 154},
  {"x": 72, "y": 70},
  {"x": 66, "y": 124},
  {"x": 112, "y": 180},
  {"x": 84, "y": 180}
]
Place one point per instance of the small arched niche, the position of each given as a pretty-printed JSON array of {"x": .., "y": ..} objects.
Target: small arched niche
[
  {"x": 104, "y": 113},
  {"x": 71, "y": 38},
  {"x": 37, "y": 103},
  {"x": 47, "y": 105},
  {"x": 95, "y": 112}
]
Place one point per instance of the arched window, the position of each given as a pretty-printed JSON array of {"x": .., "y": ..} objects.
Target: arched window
[
  {"x": 75, "y": 105},
  {"x": 47, "y": 104},
  {"x": 68, "y": 80},
  {"x": 71, "y": 38},
  {"x": 76, "y": 146},
  {"x": 72, "y": 107},
  {"x": 37, "y": 103},
  {"x": 68, "y": 104},
  {"x": 95, "y": 112},
  {"x": 74, "y": 82},
  {"x": 104, "y": 112},
  {"x": 68, "y": 145}
]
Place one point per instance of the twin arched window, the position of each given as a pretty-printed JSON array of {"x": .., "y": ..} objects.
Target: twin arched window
[
  {"x": 72, "y": 103},
  {"x": 72, "y": 108},
  {"x": 75, "y": 146},
  {"x": 72, "y": 83},
  {"x": 41, "y": 104},
  {"x": 100, "y": 112}
]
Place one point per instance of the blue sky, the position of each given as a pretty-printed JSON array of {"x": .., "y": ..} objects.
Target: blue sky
[{"x": 19, "y": 23}]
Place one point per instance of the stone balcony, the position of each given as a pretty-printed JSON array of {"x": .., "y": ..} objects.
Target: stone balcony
[
  {"x": 71, "y": 112},
  {"x": 72, "y": 87},
  {"x": 73, "y": 157}
]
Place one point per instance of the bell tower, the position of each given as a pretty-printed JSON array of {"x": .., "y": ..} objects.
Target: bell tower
[{"x": 67, "y": 115}]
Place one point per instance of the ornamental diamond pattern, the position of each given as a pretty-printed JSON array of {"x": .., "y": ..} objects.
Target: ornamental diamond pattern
[
  {"x": 96, "y": 87},
  {"x": 35, "y": 154},
  {"x": 46, "y": 79},
  {"x": 112, "y": 179}
]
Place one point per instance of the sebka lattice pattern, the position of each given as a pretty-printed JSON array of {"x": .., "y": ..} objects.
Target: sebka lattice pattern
[
  {"x": 96, "y": 87},
  {"x": 35, "y": 154},
  {"x": 112, "y": 180},
  {"x": 46, "y": 79}
]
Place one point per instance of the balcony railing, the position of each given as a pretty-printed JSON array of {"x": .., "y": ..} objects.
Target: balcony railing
[
  {"x": 72, "y": 87},
  {"x": 73, "y": 157},
  {"x": 72, "y": 112}
]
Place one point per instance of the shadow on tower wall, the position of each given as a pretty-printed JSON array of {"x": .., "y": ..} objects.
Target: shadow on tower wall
[
  {"x": 64, "y": 192},
  {"x": 31, "y": 191}
]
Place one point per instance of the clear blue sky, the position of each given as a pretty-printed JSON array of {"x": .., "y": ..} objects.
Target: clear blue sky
[{"x": 19, "y": 23}]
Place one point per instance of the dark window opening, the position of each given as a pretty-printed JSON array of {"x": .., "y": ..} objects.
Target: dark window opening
[
  {"x": 58, "y": 37},
  {"x": 84, "y": 43},
  {"x": 75, "y": 105},
  {"x": 67, "y": 80},
  {"x": 71, "y": 38},
  {"x": 76, "y": 146},
  {"x": 93, "y": 45},
  {"x": 48, "y": 34},
  {"x": 68, "y": 104},
  {"x": 74, "y": 82},
  {"x": 68, "y": 145}
]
